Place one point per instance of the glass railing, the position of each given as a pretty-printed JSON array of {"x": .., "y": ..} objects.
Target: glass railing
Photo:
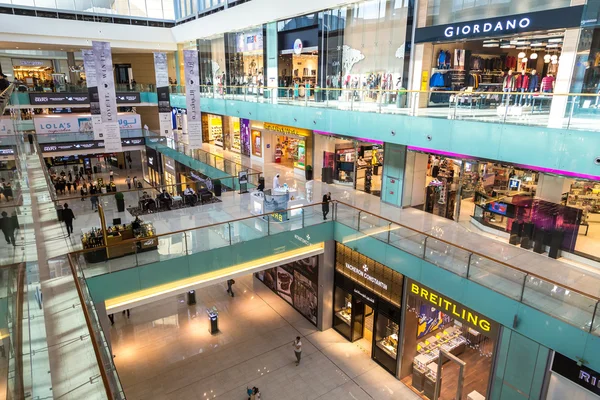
[
  {"x": 230, "y": 168},
  {"x": 562, "y": 302},
  {"x": 565, "y": 303},
  {"x": 82, "y": 88},
  {"x": 555, "y": 110}
]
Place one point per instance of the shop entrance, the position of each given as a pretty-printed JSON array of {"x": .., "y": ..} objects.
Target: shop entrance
[
  {"x": 298, "y": 72},
  {"x": 435, "y": 325}
]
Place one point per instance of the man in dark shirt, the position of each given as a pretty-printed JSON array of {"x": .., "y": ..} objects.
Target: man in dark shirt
[
  {"x": 8, "y": 228},
  {"x": 68, "y": 217},
  {"x": 165, "y": 199}
]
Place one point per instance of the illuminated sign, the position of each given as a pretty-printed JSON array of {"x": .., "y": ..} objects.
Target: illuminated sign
[
  {"x": 453, "y": 309},
  {"x": 364, "y": 273},
  {"x": 298, "y": 46},
  {"x": 486, "y": 27},
  {"x": 364, "y": 296},
  {"x": 290, "y": 130}
]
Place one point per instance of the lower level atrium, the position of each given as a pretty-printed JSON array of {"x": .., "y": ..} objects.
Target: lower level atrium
[{"x": 164, "y": 350}]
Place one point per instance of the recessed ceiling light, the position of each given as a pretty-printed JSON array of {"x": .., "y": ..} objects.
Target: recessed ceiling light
[
  {"x": 507, "y": 46},
  {"x": 555, "y": 40},
  {"x": 552, "y": 45},
  {"x": 491, "y": 45},
  {"x": 17, "y": 47},
  {"x": 537, "y": 44}
]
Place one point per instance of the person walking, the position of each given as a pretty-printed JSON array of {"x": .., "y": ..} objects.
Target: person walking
[
  {"x": 325, "y": 206},
  {"x": 68, "y": 217},
  {"x": 111, "y": 175},
  {"x": 230, "y": 283},
  {"x": 69, "y": 184},
  {"x": 8, "y": 228},
  {"x": 135, "y": 182},
  {"x": 298, "y": 349},
  {"x": 94, "y": 197},
  {"x": 128, "y": 181},
  {"x": 30, "y": 140}
]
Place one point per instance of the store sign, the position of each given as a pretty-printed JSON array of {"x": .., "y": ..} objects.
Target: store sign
[
  {"x": 453, "y": 309},
  {"x": 297, "y": 46},
  {"x": 369, "y": 298},
  {"x": 363, "y": 272},
  {"x": 96, "y": 144},
  {"x": 39, "y": 99},
  {"x": 249, "y": 41},
  {"x": 31, "y": 63},
  {"x": 579, "y": 374},
  {"x": 76, "y": 123},
  {"x": 7, "y": 151},
  {"x": 287, "y": 130},
  {"x": 566, "y": 17}
]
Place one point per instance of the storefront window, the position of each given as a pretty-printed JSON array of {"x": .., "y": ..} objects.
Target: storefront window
[
  {"x": 245, "y": 60},
  {"x": 256, "y": 143},
  {"x": 434, "y": 325},
  {"x": 342, "y": 311}
]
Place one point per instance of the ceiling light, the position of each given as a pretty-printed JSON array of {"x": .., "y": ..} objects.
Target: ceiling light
[
  {"x": 514, "y": 41},
  {"x": 554, "y": 57},
  {"x": 547, "y": 57},
  {"x": 553, "y": 45},
  {"x": 521, "y": 55},
  {"x": 539, "y": 44},
  {"x": 533, "y": 56},
  {"x": 555, "y": 40},
  {"x": 554, "y": 62},
  {"x": 491, "y": 45},
  {"x": 507, "y": 46},
  {"x": 522, "y": 43},
  {"x": 524, "y": 59},
  {"x": 490, "y": 41}
]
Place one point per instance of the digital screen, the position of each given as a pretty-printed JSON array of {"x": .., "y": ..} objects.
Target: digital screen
[{"x": 497, "y": 207}]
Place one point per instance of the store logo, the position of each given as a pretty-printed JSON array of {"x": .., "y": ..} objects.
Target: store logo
[
  {"x": 365, "y": 268},
  {"x": 298, "y": 46},
  {"x": 363, "y": 273},
  {"x": 486, "y": 27},
  {"x": 303, "y": 241},
  {"x": 364, "y": 296},
  {"x": 588, "y": 378}
]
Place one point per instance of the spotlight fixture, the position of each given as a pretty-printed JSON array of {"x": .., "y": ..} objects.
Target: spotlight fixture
[
  {"x": 521, "y": 54},
  {"x": 533, "y": 56}
]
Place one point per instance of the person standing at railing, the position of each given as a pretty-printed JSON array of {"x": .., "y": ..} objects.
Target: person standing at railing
[
  {"x": 325, "y": 206},
  {"x": 8, "y": 228}
]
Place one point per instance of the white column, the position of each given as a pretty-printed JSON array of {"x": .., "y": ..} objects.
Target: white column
[
  {"x": 559, "y": 112},
  {"x": 550, "y": 188}
]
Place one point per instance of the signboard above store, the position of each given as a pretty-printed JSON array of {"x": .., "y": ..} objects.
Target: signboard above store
[
  {"x": 566, "y": 17},
  {"x": 93, "y": 144},
  {"x": 287, "y": 130},
  {"x": 78, "y": 98},
  {"x": 577, "y": 373}
]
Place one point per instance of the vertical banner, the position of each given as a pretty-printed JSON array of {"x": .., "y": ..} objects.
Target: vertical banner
[
  {"x": 107, "y": 96},
  {"x": 162, "y": 88},
  {"x": 192, "y": 97},
  {"x": 89, "y": 65}
]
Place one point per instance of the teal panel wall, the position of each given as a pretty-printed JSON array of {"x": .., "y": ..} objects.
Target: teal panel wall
[
  {"x": 540, "y": 327},
  {"x": 393, "y": 174},
  {"x": 126, "y": 281},
  {"x": 521, "y": 365},
  {"x": 570, "y": 150}
]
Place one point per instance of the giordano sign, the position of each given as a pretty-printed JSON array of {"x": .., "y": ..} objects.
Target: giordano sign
[
  {"x": 566, "y": 17},
  {"x": 453, "y": 309}
]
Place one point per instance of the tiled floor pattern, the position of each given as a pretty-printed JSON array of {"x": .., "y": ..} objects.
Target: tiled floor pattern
[{"x": 164, "y": 351}]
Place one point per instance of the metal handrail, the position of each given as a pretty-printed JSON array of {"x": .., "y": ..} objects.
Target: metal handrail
[{"x": 473, "y": 252}]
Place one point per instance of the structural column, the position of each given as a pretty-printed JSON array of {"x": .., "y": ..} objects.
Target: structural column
[
  {"x": 325, "y": 290},
  {"x": 73, "y": 76},
  {"x": 559, "y": 110},
  {"x": 271, "y": 58}
]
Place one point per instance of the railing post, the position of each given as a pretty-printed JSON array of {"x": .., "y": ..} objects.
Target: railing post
[
  {"x": 594, "y": 317},
  {"x": 469, "y": 264},
  {"x": 137, "y": 263},
  {"x": 425, "y": 246},
  {"x": 187, "y": 251},
  {"x": 389, "y": 231},
  {"x": 302, "y": 217},
  {"x": 358, "y": 225},
  {"x": 268, "y": 226},
  {"x": 523, "y": 288},
  {"x": 572, "y": 109},
  {"x": 229, "y": 230}
]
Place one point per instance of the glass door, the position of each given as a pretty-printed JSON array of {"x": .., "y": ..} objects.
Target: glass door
[
  {"x": 449, "y": 378},
  {"x": 358, "y": 318}
]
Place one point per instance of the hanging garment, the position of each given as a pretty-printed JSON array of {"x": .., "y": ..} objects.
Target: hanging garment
[
  {"x": 508, "y": 82},
  {"x": 522, "y": 81},
  {"x": 441, "y": 59}
]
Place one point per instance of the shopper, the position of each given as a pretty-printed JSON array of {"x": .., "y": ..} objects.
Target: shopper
[
  {"x": 83, "y": 191},
  {"x": 135, "y": 182},
  {"x": 126, "y": 311},
  {"x": 111, "y": 175},
  {"x": 190, "y": 196},
  {"x": 112, "y": 318},
  {"x": 165, "y": 199},
  {"x": 128, "y": 181},
  {"x": 298, "y": 349},
  {"x": 4, "y": 83},
  {"x": 30, "y": 140},
  {"x": 68, "y": 185},
  {"x": 230, "y": 283},
  {"x": 276, "y": 182},
  {"x": 325, "y": 205},
  {"x": 94, "y": 197},
  {"x": 68, "y": 217},
  {"x": 8, "y": 228}
]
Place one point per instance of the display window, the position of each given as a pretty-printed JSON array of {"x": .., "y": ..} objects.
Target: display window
[
  {"x": 298, "y": 284},
  {"x": 38, "y": 74},
  {"x": 236, "y": 143},
  {"x": 293, "y": 146},
  {"x": 245, "y": 61},
  {"x": 436, "y": 326},
  {"x": 366, "y": 306},
  {"x": 256, "y": 143},
  {"x": 212, "y": 129}
]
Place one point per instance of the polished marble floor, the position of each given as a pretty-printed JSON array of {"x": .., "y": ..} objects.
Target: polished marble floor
[{"x": 164, "y": 351}]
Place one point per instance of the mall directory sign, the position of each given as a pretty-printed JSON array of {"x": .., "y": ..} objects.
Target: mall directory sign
[
  {"x": 453, "y": 309},
  {"x": 40, "y": 99}
]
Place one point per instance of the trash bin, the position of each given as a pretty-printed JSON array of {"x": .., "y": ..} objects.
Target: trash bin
[
  {"x": 95, "y": 169},
  {"x": 191, "y": 297}
]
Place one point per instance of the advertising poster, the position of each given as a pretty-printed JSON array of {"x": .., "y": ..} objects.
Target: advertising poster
[
  {"x": 162, "y": 88},
  {"x": 192, "y": 97},
  {"x": 245, "y": 136},
  {"x": 297, "y": 283},
  {"x": 107, "y": 96},
  {"x": 89, "y": 64},
  {"x": 6, "y": 127},
  {"x": 83, "y": 123}
]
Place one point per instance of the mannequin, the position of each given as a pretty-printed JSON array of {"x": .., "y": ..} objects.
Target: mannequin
[
  {"x": 522, "y": 83},
  {"x": 508, "y": 85},
  {"x": 532, "y": 87},
  {"x": 548, "y": 84}
]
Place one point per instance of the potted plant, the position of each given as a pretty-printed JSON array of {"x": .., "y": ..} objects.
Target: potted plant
[
  {"x": 308, "y": 173},
  {"x": 120, "y": 198},
  {"x": 217, "y": 187}
]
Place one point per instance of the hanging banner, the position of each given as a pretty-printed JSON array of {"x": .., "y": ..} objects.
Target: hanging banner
[
  {"x": 107, "y": 96},
  {"x": 89, "y": 65},
  {"x": 161, "y": 71},
  {"x": 192, "y": 95}
]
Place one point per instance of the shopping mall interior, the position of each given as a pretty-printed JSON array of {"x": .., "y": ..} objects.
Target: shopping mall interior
[{"x": 375, "y": 199}]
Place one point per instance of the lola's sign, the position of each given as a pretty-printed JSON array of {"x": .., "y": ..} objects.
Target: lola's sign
[{"x": 454, "y": 310}]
